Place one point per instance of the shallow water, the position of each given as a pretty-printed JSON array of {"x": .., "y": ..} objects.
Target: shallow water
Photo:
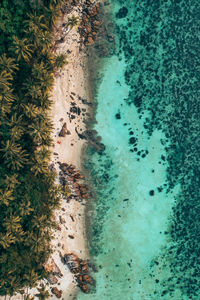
[{"x": 141, "y": 240}]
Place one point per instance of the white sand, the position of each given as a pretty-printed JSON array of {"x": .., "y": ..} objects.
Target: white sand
[{"x": 69, "y": 149}]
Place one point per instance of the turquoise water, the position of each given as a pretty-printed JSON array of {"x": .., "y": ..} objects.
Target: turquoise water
[{"x": 145, "y": 223}]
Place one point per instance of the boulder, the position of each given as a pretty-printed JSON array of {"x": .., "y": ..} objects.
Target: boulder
[
  {"x": 87, "y": 279},
  {"x": 63, "y": 131},
  {"x": 52, "y": 279},
  {"x": 73, "y": 263},
  {"x": 89, "y": 41},
  {"x": 57, "y": 292},
  {"x": 62, "y": 220},
  {"x": 84, "y": 288}
]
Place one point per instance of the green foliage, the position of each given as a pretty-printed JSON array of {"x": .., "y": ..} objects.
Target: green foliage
[
  {"x": 73, "y": 21},
  {"x": 60, "y": 61},
  {"x": 28, "y": 194}
]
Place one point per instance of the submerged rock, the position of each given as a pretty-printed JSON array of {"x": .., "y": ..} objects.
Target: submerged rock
[{"x": 122, "y": 13}]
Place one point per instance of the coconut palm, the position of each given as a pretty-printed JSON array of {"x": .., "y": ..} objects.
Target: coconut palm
[
  {"x": 6, "y": 100},
  {"x": 45, "y": 102},
  {"x": 40, "y": 131},
  {"x": 60, "y": 61},
  {"x": 7, "y": 95},
  {"x": 12, "y": 223},
  {"x": 5, "y": 77},
  {"x": 30, "y": 110},
  {"x": 15, "y": 157},
  {"x": 6, "y": 240},
  {"x": 8, "y": 64},
  {"x": 38, "y": 70},
  {"x": 35, "y": 22},
  {"x": 22, "y": 49},
  {"x": 11, "y": 181},
  {"x": 6, "y": 196},
  {"x": 52, "y": 14},
  {"x": 43, "y": 293},
  {"x": 73, "y": 21},
  {"x": 35, "y": 92},
  {"x": 44, "y": 40},
  {"x": 47, "y": 58},
  {"x": 47, "y": 81},
  {"x": 25, "y": 208}
]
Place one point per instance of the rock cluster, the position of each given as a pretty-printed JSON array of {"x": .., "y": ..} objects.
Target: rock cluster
[
  {"x": 57, "y": 292},
  {"x": 80, "y": 269},
  {"x": 90, "y": 23},
  {"x": 69, "y": 176}
]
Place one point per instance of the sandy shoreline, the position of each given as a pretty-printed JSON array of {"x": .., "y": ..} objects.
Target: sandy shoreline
[{"x": 71, "y": 91}]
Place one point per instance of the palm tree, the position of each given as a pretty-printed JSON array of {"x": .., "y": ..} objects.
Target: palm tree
[
  {"x": 7, "y": 96},
  {"x": 43, "y": 154},
  {"x": 22, "y": 49},
  {"x": 6, "y": 99},
  {"x": 12, "y": 224},
  {"x": 35, "y": 22},
  {"x": 25, "y": 208},
  {"x": 52, "y": 14},
  {"x": 40, "y": 132},
  {"x": 44, "y": 40},
  {"x": 4, "y": 79},
  {"x": 47, "y": 81},
  {"x": 38, "y": 70},
  {"x": 6, "y": 196},
  {"x": 6, "y": 239},
  {"x": 11, "y": 181},
  {"x": 16, "y": 126},
  {"x": 30, "y": 110},
  {"x": 73, "y": 21},
  {"x": 34, "y": 92},
  {"x": 8, "y": 64},
  {"x": 47, "y": 58},
  {"x": 15, "y": 157},
  {"x": 45, "y": 102},
  {"x": 43, "y": 293},
  {"x": 60, "y": 61}
]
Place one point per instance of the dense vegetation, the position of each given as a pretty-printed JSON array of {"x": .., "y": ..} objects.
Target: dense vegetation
[{"x": 28, "y": 194}]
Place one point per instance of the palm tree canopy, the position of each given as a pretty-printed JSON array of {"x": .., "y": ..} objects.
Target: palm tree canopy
[
  {"x": 8, "y": 64},
  {"x": 73, "y": 21},
  {"x": 60, "y": 61},
  {"x": 22, "y": 48}
]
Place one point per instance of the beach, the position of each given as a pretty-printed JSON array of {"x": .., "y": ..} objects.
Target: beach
[
  {"x": 72, "y": 105},
  {"x": 71, "y": 86}
]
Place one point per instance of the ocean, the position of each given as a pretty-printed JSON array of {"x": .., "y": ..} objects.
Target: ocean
[{"x": 144, "y": 225}]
